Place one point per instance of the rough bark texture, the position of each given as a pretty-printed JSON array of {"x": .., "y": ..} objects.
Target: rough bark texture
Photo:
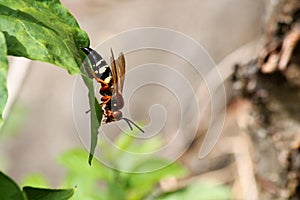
[{"x": 272, "y": 83}]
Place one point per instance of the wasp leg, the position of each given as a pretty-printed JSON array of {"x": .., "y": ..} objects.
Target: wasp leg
[
  {"x": 91, "y": 73},
  {"x": 105, "y": 100},
  {"x": 104, "y": 88},
  {"x": 99, "y": 80}
]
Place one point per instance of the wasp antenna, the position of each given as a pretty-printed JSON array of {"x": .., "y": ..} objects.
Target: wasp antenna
[
  {"x": 130, "y": 121},
  {"x": 128, "y": 124},
  {"x": 86, "y": 112}
]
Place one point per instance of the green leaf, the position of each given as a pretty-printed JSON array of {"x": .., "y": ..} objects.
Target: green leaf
[
  {"x": 95, "y": 113},
  {"x": 43, "y": 30},
  {"x": 47, "y": 194},
  {"x": 3, "y": 74},
  {"x": 95, "y": 123},
  {"x": 9, "y": 190}
]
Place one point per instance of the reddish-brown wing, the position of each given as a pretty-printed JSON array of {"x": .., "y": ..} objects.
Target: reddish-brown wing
[
  {"x": 118, "y": 72},
  {"x": 114, "y": 70},
  {"x": 121, "y": 71}
]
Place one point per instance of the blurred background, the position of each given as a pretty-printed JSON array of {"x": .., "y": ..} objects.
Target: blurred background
[{"x": 40, "y": 124}]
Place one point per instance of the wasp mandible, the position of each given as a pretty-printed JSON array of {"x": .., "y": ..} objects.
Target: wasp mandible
[{"x": 111, "y": 79}]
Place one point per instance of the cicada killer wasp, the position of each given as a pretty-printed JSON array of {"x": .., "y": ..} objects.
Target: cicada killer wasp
[{"x": 112, "y": 82}]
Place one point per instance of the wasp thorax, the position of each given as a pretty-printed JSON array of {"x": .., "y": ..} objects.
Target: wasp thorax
[
  {"x": 117, "y": 115},
  {"x": 117, "y": 102}
]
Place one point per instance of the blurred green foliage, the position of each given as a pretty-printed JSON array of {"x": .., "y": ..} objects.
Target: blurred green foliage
[
  {"x": 199, "y": 191},
  {"x": 9, "y": 190},
  {"x": 14, "y": 121},
  {"x": 99, "y": 182},
  {"x": 38, "y": 180},
  {"x": 10, "y": 128}
]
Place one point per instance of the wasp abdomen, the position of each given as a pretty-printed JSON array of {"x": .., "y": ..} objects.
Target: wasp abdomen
[{"x": 99, "y": 65}]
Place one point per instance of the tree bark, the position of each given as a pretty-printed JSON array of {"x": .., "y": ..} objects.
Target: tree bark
[{"x": 272, "y": 82}]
